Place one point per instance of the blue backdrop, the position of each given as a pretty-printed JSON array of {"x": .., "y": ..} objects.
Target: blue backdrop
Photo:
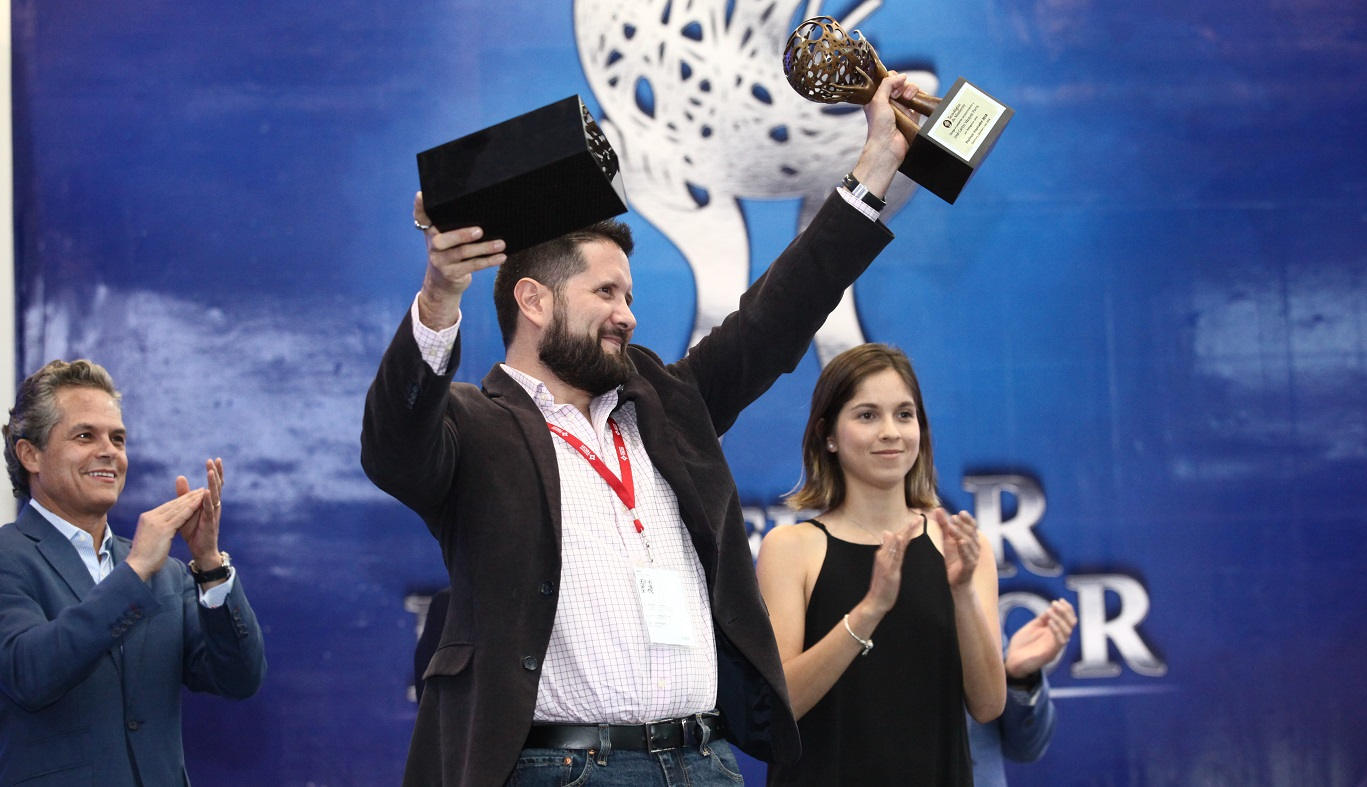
[{"x": 1140, "y": 332}]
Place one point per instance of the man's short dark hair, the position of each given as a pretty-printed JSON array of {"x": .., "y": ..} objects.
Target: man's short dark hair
[
  {"x": 552, "y": 263},
  {"x": 35, "y": 410}
]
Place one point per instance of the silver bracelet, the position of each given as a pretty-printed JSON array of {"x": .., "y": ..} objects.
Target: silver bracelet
[{"x": 866, "y": 643}]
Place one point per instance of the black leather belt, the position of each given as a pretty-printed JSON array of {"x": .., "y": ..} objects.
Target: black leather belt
[{"x": 652, "y": 737}]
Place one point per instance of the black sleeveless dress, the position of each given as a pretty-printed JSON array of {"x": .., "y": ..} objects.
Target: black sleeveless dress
[{"x": 896, "y": 716}]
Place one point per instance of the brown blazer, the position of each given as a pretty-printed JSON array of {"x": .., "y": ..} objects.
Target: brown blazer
[{"x": 478, "y": 465}]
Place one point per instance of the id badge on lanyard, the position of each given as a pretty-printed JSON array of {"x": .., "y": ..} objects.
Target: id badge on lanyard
[
  {"x": 664, "y": 601},
  {"x": 665, "y": 606}
]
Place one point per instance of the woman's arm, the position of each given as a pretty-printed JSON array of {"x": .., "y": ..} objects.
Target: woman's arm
[
  {"x": 972, "y": 575},
  {"x": 789, "y": 559}
]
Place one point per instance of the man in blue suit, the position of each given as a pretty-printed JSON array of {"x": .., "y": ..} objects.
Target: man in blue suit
[
  {"x": 98, "y": 633},
  {"x": 1023, "y": 731}
]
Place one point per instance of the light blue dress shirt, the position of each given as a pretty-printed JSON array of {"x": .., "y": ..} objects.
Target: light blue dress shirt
[{"x": 100, "y": 563}]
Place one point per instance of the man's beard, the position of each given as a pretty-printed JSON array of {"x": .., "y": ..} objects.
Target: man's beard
[{"x": 581, "y": 361}]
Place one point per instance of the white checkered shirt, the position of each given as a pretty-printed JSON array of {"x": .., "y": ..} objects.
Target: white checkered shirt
[{"x": 600, "y": 666}]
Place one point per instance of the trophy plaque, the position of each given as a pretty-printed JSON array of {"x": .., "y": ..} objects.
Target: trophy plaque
[
  {"x": 825, "y": 64},
  {"x": 525, "y": 180}
]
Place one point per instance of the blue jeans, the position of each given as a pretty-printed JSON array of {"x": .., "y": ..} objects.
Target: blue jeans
[{"x": 712, "y": 763}]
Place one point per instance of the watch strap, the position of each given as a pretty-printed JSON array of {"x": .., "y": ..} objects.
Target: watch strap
[
  {"x": 862, "y": 193},
  {"x": 213, "y": 574},
  {"x": 1028, "y": 683}
]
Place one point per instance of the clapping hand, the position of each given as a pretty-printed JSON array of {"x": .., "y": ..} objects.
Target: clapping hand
[
  {"x": 200, "y": 531},
  {"x": 1041, "y": 640},
  {"x": 961, "y": 547}
]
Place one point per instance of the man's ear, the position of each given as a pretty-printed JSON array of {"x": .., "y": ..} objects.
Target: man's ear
[
  {"x": 535, "y": 301},
  {"x": 28, "y": 454}
]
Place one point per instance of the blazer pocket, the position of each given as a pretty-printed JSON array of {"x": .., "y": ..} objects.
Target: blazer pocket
[
  {"x": 449, "y": 660},
  {"x": 81, "y": 774},
  {"x": 58, "y": 758}
]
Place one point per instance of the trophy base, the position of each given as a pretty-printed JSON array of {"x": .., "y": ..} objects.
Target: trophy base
[
  {"x": 953, "y": 142},
  {"x": 525, "y": 180}
]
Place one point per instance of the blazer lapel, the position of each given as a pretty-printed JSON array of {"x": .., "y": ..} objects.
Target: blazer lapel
[
  {"x": 64, "y": 560},
  {"x": 131, "y": 644},
  {"x": 505, "y": 391},
  {"x": 57, "y": 551}
]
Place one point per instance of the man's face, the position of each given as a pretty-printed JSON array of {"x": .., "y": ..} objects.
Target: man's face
[
  {"x": 82, "y": 469},
  {"x": 585, "y": 343}
]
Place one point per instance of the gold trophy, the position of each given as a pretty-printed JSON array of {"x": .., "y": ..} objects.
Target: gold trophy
[{"x": 826, "y": 64}]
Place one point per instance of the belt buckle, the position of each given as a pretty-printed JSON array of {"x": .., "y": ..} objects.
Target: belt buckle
[{"x": 665, "y": 727}]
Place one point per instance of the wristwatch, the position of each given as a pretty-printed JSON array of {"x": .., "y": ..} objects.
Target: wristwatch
[
  {"x": 213, "y": 574},
  {"x": 862, "y": 193}
]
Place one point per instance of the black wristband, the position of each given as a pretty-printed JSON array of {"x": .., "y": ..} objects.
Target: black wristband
[
  {"x": 1028, "y": 683},
  {"x": 862, "y": 193},
  {"x": 213, "y": 574}
]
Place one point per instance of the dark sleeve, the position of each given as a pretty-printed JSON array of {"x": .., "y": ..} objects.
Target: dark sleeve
[
  {"x": 408, "y": 447},
  {"x": 430, "y": 637},
  {"x": 780, "y": 313},
  {"x": 223, "y": 648},
  {"x": 40, "y": 659}
]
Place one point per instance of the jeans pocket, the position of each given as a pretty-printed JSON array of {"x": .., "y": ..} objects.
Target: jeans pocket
[
  {"x": 549, "y": 768},
  {"x": 723, "y": 759}
]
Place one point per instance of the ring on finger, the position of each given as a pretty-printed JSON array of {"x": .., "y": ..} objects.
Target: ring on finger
[{"x": 421, "y": 226}]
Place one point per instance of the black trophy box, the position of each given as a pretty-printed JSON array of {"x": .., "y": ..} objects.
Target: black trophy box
[
  {"x": 525, "y": 180},
  {"x": 955, "y": 139}
]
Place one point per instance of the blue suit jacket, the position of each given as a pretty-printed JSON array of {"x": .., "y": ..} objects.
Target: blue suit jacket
[
  {"x": 91, "y": 675},
  {"x": 1021, "y": 733}
]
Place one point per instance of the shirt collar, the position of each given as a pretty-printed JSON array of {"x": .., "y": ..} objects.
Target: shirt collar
[
  {"x": 602, "y": 404},
  {"x": 75, "y": 535}
]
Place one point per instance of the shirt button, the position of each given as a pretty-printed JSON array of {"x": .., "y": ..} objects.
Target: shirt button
[
  {"x": 529, "y": 663},
  {"x": 133, "y": 725}
]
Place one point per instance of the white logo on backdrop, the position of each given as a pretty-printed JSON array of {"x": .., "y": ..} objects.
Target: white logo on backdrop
[{"x": 695, "y": 103}]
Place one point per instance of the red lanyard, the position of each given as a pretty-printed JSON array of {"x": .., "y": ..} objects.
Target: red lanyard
[{"x": 624, "y": 487}]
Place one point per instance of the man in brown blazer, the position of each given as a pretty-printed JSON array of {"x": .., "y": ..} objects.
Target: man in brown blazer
[{"x": 604, "y": 618}]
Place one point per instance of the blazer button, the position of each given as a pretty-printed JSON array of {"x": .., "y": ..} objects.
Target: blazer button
[
  {"x": 548, "y": 588},
  {"x": 529, "y": 663},
  {"x": 133, "y": 725}
]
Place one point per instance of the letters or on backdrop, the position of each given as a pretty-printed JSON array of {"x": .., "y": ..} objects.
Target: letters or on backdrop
[{"x": 1140, "y": 331}]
